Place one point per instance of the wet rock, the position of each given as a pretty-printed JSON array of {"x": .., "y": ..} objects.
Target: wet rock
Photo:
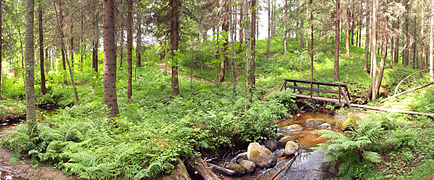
[
  {"x": 269, "y": 173},
  {"x": 271, "y": 144},
  {"x": 239, "y": 170},
  {"x": 290, "y": 148},
  {"x": 314, "y": 122},
  {"x": 325, "y": 126},
  {"x": 278, "y": 153},
  {"x": 292, "y": 128},
  {"x": 249, "y": 166},
  {"x": 282, "y": 141},
  {"x": 279, "y": 135},
  {"x": 260, "y": 155},
  {"x": 179, "y": 173}
]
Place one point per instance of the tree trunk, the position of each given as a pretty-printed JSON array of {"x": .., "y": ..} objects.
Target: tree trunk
[
  {"x": 110, "y": 97},
  {"x": 242, "y": 25},
  {"x": 414, "y": 44},
  {"x": 311, "y": 49},
  {"x": 373, "y": 49},
  {"x": 269, "y": 29},
  {"x": 391, "y": 52},
  {"x": 121, "y": 48},
  {"x": 422, "y": 34},
  {"x": 95, "y": 40},
  {"x": 139, "y": 38},
  {"x": 1, "y": 47},
  {"x": 225, "y": 28},
  {"x": 63, "y": 50},
  {"x": 431, "y": 51},
  {"x": 41, "y": 50},
  {"x": 233, "y": 33},
  {"x": 337, "y": 45},
  {"x": 406, "y": 55},
  {"x": 302, "y": 34},
  {"x": 367, "y": 41},
  {"x": 383, "y": 55},
  {"x": 347, "y": 29},
  {"x": 285, "y": 28},
  {"x": 396, "y": 56},
  {"x": 29, "y": 69},
  {"x": 253, "y": 44},
  {"x": 82, "y": 50},
  {"x": 174, "y": 24},
  {"x": 130, "y": 49},
  {"x": 71, "y": 44}
]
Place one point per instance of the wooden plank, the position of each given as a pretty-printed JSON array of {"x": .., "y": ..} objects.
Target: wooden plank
[
  {"x": 315, "y": 89},
  {"x": 283, "y": 85},
  {"x": 392, "y": 110},
  {"x": 316, "y": 82},
  {"x": 316, "y": 98}
]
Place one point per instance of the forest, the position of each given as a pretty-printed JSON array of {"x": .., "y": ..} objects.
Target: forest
[{"x": 216, "y": 89}]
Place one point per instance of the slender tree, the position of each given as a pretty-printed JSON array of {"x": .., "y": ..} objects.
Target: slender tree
[
  {"x": 1, "y": 47},
  {"x": 422, "y": 47},
  {"x": 233, "y": 22},
  {"x": 373, "y": 49},
  {"x": 383, "y": 54},
  {"x": 121, "y": 48},
  {"x": 242, "y": 26},
  {"x": 431, "y": 51},
  {"x": 62, "y": 49},
  {"x": 225, "y": 28},
  {"x": 110, "y": 97},
  {"x": 95, "y": 38},
  {"x": 139, "y": 36},
  {"x": 253, "y": 44},
  {"x": 30, "y": 71},
  {"x": 347, "y": 29},
  {"x": 269, "y": 30},
  {"x": 406, "y": 55},
  {"x": 41, "y": 49},
  {"x": 396, "y": 56},
  {"x": 285, "y": 28},
  {"x": 367, "y": 41},
  {"x": 174, "y": 38},
  {"x": 337, "y": 45},
  {"x": 130, "y": 49}
]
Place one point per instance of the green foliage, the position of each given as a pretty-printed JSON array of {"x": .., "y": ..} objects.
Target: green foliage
[
  {"x": 283, "y": 97},
  {"x": 11, "y": 110}
]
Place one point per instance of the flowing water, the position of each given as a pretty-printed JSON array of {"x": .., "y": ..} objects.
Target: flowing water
[{"x": 308, "y": 165}]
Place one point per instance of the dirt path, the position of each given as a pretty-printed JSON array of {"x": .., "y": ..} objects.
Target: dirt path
[{"x": 23, "y": 169}]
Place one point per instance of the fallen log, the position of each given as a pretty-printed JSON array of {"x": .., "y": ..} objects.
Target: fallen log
[
  {"x": 396, "y": 89},
  {"x": 200, "y": 165},
  {"x": 223, "y": 170},
  {"x": 286, "y": 165},
  {"x": 392, "y": 110},
  {"x": 410, "y": 90}
]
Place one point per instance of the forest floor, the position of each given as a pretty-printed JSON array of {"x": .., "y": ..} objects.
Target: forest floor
[{"x": 24, "y": 168}]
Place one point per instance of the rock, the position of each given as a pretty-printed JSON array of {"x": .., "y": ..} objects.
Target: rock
[
  {"x": 249, "y": 166},
  {"x": 239, "y": 170},
  {"x": 290, "y": 148},
  {"x": 179, "y": 173},
  {"x": 314, "y": 122},
  {"x": 279, "y": 135},
  {"x": 325, "y": 126},
  {"x": 293, "y": 128},
  {"x": 278, "y": 153},
  {"x": 260, "y": 155},
  {"x": 239, "y": 157},
  {"x": 282, "y": 141},
  {"x": 271, "y": 144}
]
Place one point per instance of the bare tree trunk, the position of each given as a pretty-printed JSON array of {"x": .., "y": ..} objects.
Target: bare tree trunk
[
  {"x": 29, "y": 69},
  {"x": 41, "y": 50},
  {"x": 225, "y": 29},
  {"x": 71, "y": 44},
  {"x": 174, "y": 24},
  {"x": 383, "y": 56},
  {"x": 130, "y": 49},
  {"x": 269, "y": 29},
  {"x": 406, "y": 56},
  {"x": 242, "y": 26},
  {"x": 233, "y": 33},
  {"x": 285, "y": 28},
  {"x": 347, "y": 29},
  {"x": 367, "y": 41},
  {"x": 121, "y": 48},
  {"x": 63, "y": 50},
  {"x": 373, "y": 49},
  {"x": 337, "y": 45},
  {"x": 252, "y": 45},
  {"x": 82, "y": 50},
  {"x": 431, "y": 52},
  {"x": 95, "y": 40},
  {"x": 110, "y": 96},
  {"x": 302, "y": 34},
  {"x": 139, "y": 38},
  {"x": 414, "y": 44},
  {"x": 1, "y": 47},
  {"x": 391, "y": 52},
  {"x": 311, "y": 48},
  {"x": 396, "y": 57},
  {"x": 422, "y": 34}
]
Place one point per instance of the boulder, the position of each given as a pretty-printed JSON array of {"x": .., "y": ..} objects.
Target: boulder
[
  {"x": 290, "y": 148},
  {"x": 271, "y": 144},
  {"x": 314, "y": 122},
  {"x": 179, "y": 173},
  {"x": 278, "y": 153},
  {"x": 239, "y": 170},
  {"x": 325, "y": 126},
  {"x": 249, "y": 166},
  {"x": 260, "y": 155},
  {"x": 282, "y": 141},
  {"x": 293, "y": 128}
]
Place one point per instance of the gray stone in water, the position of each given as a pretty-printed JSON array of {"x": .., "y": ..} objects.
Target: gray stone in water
[
  {"x": 325, "y": 126},
  {"x": 239, "y": 170},
  {"x": 290, "y": 148},
  {"x": 308, "y": 166},
  {"x": 314, "y": 122},
  {"x": 282, "y": 141},
  {"x": 292, "y": 128},
  {"x": 260, "y": 155},
  {"x": 249, "y": 166},
  {"x": 271, "y": 144},
  {"x": 278, "y": 153}
]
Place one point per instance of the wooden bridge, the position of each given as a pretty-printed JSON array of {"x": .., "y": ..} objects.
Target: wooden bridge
[{"x": 339, "y": 89}]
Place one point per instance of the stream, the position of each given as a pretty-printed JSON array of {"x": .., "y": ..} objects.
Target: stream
[{"x": 308, "y": 164}]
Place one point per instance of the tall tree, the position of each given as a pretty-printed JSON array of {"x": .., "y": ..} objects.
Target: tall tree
[
  {"x": 431, "y": 51},
  {"x": 62, "y": 49},
  {"x": 373, "y": 49},
  {"x": 1, "y": 47},
  {"x": 422, "y": 47},
  {"x": 367, "y": 41},
  {"x": 242, "y": 25},
  {"x": 337, "y": 39},
  {"x": 396, "y": 56},
  {"x": 41, "y": 49},
  {"x": 253, "y": 44},
  {"x": 233, "y": 21},
  {"x": 347, "y": 28},
  {"x": 95, "y": 37},
  {"x": 285, "y": 28},
  {"x": 121, "y": 48},
  {"x": 130, "y": 49},
  {"x": 225, "y": 28},
  {"x": 174, "y": 40},
  {"x": 406, "y": 55},
  {"x": 269, "y": 29},
  {"x": 110, "y": 97},
  {"x": 383, "y": 54},
  {"x": 139, "y": 36},
  {"x": 30, "y": 71}
]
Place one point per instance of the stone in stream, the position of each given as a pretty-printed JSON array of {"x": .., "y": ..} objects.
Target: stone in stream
[
  {"x": 179, "y": 173},
  {"x": 278, "y": 153},
  {"x": 292, "y": 128},
  {"x": 290, "y": 148},
  {"x": 260, "y": 155},
  {"x": 271, "y": 144},
  {"x": 249, "y": 166},
  {"x": 239, "y": 170},
  {"x": 282, "y": 141},
  {"x": 325, "y": 126},
  {"x": 314, "y": 122}
]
